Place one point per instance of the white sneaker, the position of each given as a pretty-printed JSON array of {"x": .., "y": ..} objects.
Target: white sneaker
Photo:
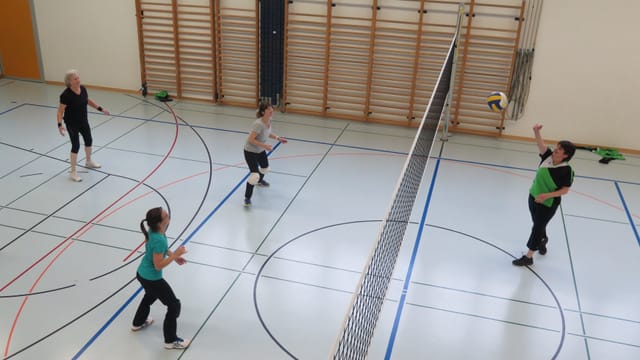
[
  {"x": 179, "y": 344},
  {"x": 75, "y": 177},
  {"x": 146, "y": 323},
  {"x": 92, "y": 165}
]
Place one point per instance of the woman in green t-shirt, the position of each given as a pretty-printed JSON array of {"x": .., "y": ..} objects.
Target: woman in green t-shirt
[
  {"x": 553, "y": 179},
  {"x": 157, "y": 256}
]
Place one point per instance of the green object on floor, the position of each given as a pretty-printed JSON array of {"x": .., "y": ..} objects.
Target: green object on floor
[
  {"x": 608, "y": 155},
  {"x": 162, "y": 95}
]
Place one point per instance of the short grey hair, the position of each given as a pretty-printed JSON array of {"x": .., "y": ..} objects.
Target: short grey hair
[{"x": 69, "y": 75}]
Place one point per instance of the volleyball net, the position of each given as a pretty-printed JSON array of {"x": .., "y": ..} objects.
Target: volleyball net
[{"x": 360, "y": 321}]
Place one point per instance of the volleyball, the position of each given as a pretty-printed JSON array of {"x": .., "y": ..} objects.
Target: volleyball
[{"x": 497, "y": 101}]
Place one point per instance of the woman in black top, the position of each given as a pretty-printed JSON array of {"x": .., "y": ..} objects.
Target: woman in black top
[{"x": 73, "y": 109}]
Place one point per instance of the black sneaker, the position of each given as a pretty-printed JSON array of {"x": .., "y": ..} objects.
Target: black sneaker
[
  {"x": 247, "y": 202},
  {"x": 524, "y": 260},
  {"x": 263, "y": 183},
  {"x": 543, "y": 246}
]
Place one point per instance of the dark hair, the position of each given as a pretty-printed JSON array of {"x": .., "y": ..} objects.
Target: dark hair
[
  {"x": 153, "y": 219},
  {"x": 262, "y": 108},
  {"x": 569, "y": 149}
]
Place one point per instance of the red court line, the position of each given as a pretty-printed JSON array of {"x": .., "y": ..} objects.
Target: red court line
[
  {"x": 150, "y": 192},
  {"x": 24, "y": 300},
  {"x": 228, "y": 166},
  {"x": 529, "y": 177},
  {"x": 91, "y": 225},
  {"x": 99, "y": 214},
  {"x": 83, "y": 227}
]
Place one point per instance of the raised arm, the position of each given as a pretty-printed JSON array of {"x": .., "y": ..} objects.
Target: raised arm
[{"x": 542, "y": 148}]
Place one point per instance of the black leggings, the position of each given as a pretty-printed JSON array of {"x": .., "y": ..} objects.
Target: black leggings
[
  {"x": 255, "y": 161},
  {"x": 540, "y": 215},
  {"x": 74, "y": 131},
  {"x": 154, "y": 290}
]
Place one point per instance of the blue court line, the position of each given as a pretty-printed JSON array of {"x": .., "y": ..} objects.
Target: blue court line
[
  {"x": 104, "y": 327},
  {"x": 230, "y": 131},
  {"x": 344, "y": 146},
  {"x": 510, "y": 167},
  {"x": 130, "y": 299},
  {"x": 626, "y": 210},
  {"x": 414, "y": 254}
]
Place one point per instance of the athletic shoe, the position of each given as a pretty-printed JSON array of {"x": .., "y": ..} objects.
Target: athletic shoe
[
  {"x": 524, "y": 260},
  {"x": 179, "y": 344},
  {"x": 263, "y": 183},
  {"x": 75, "y": 177},
  {"x": 92, "y": 165},
  {"x": 146, "y": 323},
  {"x": 543, "y": 246},
  {"x": 247, "y": 202}
]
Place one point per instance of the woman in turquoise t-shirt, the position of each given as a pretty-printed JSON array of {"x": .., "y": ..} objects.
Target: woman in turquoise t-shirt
[
  {"x": 553, "y": 179},
  {"x": 157, "y": 256}
]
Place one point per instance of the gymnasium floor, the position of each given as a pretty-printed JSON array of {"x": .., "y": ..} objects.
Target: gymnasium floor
[{"x": 274, "y": 281}]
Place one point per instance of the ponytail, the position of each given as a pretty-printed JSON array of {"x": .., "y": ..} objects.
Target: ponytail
[
  {"x": 153, "y": 219},
  {"x": 144, "y": 230}
]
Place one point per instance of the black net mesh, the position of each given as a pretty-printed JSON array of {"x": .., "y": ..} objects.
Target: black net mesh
[{"x": 360, "y": 324}]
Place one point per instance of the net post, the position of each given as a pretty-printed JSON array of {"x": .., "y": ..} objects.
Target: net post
[{"x": 447, "y": 112}]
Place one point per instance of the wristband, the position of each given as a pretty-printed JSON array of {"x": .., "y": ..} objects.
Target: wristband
[
  {"x": 60, "y": 124},
  {"x": 100, "y": 108}
]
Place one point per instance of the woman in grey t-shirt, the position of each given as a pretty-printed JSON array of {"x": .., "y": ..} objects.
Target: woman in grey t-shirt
[{"x": 255, "y": 149}]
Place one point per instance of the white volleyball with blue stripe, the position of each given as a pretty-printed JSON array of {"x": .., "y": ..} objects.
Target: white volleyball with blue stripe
[{"x": 497, "y": 101}]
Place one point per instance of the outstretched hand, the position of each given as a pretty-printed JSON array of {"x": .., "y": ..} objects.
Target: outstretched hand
[
  {"x": 537, "y": 127},
  {"x": 180, "y": 250}
]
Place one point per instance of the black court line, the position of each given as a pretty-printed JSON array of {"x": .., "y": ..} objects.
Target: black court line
[
  {"x": 89, "y": 188},
  {"x": 597, "y": 219},
  {"x": 125, "y": 264},
  {"x": 226, "y": 115},
  {"x": 466, "y": 235},
  {"x": 263, "y": 241},
  {"x": 12, "y": 108},
  {"x": 54, "y": 212},
  {"x": 235, "y": 166},
  {"x": 45, "y": 337},
  {"x": 245, "y": 132},
  {"x": 57, "y": 217},
  {"x": 323, "y": 266},
  {"x": 587, "y": 337},
  {"x": 66, "y": 143},
  {"x": 573, "y": 278},
  {"x": 485, "y": 318}
]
